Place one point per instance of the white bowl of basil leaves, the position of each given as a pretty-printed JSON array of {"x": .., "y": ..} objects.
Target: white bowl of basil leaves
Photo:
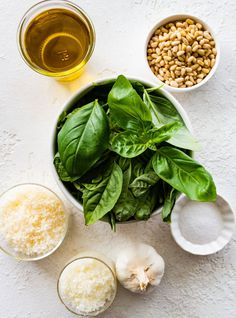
[{"x": 122, "y": 151}]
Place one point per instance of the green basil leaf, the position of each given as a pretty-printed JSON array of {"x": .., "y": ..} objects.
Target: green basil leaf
[
  {"x": 101, "y": 199},
  {"x": 170, "y": 198},
  {"x": 130, "y": 144},
  {"x": 78, "y": 186},
  {"x": 184, "y": 174},
  {"x": 146, "y": 204},
  {"x": 124, "y": 163},
  {"x": 83, "y": 139},
  {"x": 126, "y": 205},
  {"x": 110, "y": 218},
  {"x": 61, "y": 120},
  {"x": 127, "y": 144},
  {"x": 62, "y": 173},
  {"x": 137, "y": 168},
  {"x": 128, "y": 110},
  {"x": 164, "y": 112},
  {"x": 163, "y": 133},
  {"x": 112, "y": 221},
  {"x": 183, "y": 139},
  {"x": 142, "y": 184}
]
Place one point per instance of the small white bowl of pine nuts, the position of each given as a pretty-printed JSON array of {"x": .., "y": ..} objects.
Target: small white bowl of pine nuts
[{"x": 182, "y": 53}]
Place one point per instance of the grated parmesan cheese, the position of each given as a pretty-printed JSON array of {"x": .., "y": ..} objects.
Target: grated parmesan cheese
[
  {"x": 32, "y": 220},
  {"x": 87, "y": 286}
]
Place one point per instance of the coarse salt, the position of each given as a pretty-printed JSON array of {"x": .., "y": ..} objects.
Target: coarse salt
[{"x": 200, "y": 223}]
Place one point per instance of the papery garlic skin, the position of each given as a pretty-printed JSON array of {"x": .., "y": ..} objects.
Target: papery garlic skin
[{"x": 139, "y": 268}]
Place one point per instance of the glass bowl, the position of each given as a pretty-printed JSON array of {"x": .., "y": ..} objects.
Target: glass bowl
[
  {"x": 45, "y": 6},
  {"x": 102, "y": 260},
  {"x": 5, "y": 244}
]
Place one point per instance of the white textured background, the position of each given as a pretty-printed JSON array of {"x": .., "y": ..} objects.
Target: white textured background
[{"x": 196, "y": 287}]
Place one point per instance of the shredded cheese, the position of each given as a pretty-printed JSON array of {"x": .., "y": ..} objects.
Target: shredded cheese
[
  {"x": 32, "y": 220},
  {"x": 86, "y": 286}
]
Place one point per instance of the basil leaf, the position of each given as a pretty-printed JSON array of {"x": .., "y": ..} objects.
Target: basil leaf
[
  {"x": 124, "y": 163},
  {"x": 78, "y": 186},
  {"x": 62, "y": 173},
  {"x": 142, "y": 184},
  {"x": 112, "y": 221},
  {"x": 184, "y": 174},
  {"x": 170, "y": 198},
  {"x": 127, "y": 144},
  {"x": 146, "y": 204},
  {"x": 183, "y": 139},
  {"x": 126, "y": 205},
  {"x": 83, "y": 139},
  {"x": 98, "y": 201},
  {"x": 110, "y": 218},
  {"x": 130, "y": 144},
  {"x": 163, "y": 133},
  {"x": 61, "y": 120},
  {"x": 164, "y": 112},
  {"x": 128, "y": 110}
]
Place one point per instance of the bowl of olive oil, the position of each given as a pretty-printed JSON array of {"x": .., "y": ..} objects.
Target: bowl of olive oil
[{"x": 56, "y": 38}]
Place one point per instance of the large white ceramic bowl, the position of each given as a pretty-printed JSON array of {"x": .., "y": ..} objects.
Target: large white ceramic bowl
[
  {"x": 173, "y": 18},
  {"x": 74, "y": 99}
]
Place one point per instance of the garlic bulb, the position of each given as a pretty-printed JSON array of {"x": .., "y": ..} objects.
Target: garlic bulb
[{"x": 139, "y": 268}]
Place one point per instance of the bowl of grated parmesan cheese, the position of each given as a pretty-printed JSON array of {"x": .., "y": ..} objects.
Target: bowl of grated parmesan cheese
[
  {"x": 87, "y": 285},
  {"x": 33, "y": 222}
]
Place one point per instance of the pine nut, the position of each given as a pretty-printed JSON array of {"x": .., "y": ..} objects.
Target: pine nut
[
  {"x": 195, "y": 48},
  {"x": 199, "y": 26},
  {"x": 188, "y": 69},
  {"x": 154, "y": 44},
  {"x": 201, "y": 52},
  {"x": 179, "y": 80},
  {"x": 173, "y": 67},
  {"x": 206, "y": 46},
  {"x": 207, "y": 35},
  {"x": 174, "y": 84},
  {"x": 160, "y": 77},
  {"x": 189, "y": 83},
  {"x": 167, "y": 58},
  {"x": 213, "y": 62},
  {"x": 180, "y": 53},
  {"x": 189, "y": 21},
  {"x": 205, "y": 70},
  {"x": 183, "y": 71},
  {"x": 174, "y": 43},
  {"x": 191, "y": 59}
]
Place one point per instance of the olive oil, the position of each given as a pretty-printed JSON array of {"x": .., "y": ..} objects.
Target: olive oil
[{"x": 57, "y": 40}]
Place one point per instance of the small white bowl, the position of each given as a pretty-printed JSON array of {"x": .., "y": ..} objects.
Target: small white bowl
[
  {"x": 75, "y": 98},
  {"x": 220, "y": 231},
  {"x": 173, "y": 18}
]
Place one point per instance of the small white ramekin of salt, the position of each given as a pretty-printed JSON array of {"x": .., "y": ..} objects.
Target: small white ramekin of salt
[{"x": 202, "y": 228}]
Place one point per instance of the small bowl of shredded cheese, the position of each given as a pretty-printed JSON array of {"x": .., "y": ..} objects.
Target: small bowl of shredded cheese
[
  {"x": 33, "y": 222},
  {"x": 87, "y": 285},
  {"x": 181, "y": 52}
]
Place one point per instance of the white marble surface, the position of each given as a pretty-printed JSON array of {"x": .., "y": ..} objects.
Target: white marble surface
[{"x": 196, "y": 287}]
